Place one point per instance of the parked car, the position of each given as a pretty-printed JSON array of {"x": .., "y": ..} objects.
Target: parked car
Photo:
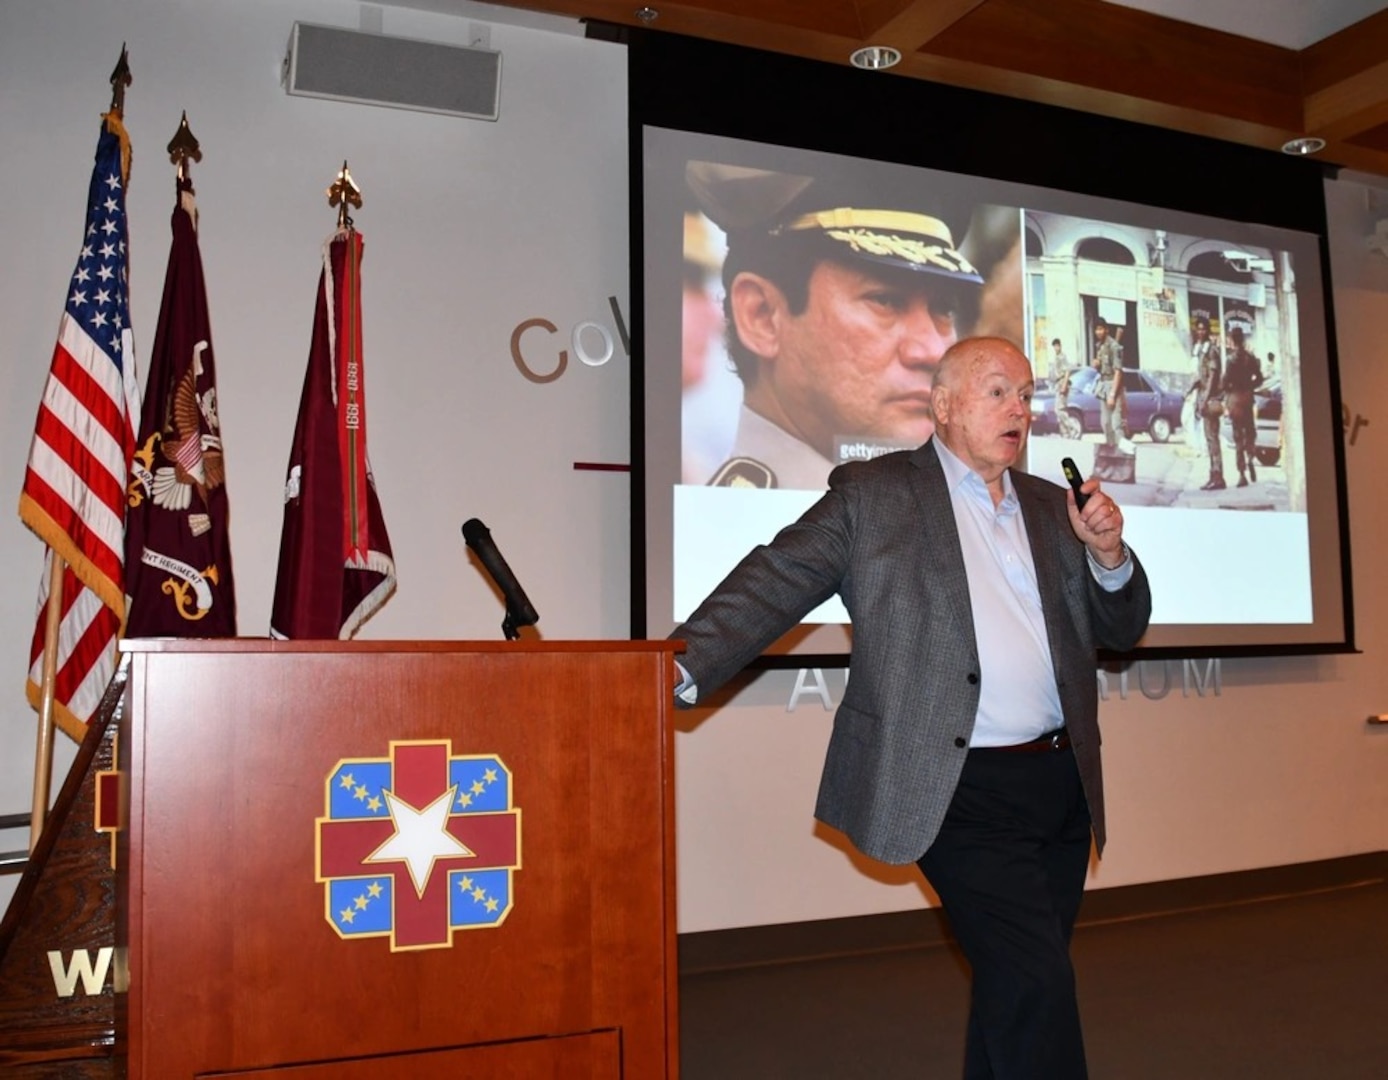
[
  {"x": 1152, "y": 408},
  {"x": 1267, "y": 414}
]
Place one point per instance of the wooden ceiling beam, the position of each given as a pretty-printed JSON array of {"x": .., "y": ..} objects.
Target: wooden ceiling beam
[
  {"x": 1351, "y": 106},
  {"x": 826, "y": 30},
  {"x": 911, "y": 27},
  {"x": 1102, "y": 102},
  {"x": 1354, "y": 49},
  {"x": 1080, "y": 54},
  {"x": 1114, "y": 50},
  {"x": 763, "y": 20},
  {"x": 1346, "y": 81}
]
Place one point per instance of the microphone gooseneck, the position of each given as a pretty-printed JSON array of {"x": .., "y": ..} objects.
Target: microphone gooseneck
[{"x": 519, "y": 610}]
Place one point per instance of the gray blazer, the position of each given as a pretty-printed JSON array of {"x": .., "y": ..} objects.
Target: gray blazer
[{"x": 884, "y": 538}]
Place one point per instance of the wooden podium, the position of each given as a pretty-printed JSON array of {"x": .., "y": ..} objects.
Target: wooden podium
[
  {"x": 398, "y": 860},
  {"x": 58, "y": 935}
]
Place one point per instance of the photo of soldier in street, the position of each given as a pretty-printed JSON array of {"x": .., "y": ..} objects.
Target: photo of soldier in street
[{"x": 1169, "y": 328}]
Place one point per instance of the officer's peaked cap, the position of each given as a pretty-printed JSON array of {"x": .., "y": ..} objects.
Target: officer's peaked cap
[{"x": 850, "y": 217}]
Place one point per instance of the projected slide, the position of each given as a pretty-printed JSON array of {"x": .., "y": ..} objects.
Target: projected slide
[{"x": 810, "y": 296}]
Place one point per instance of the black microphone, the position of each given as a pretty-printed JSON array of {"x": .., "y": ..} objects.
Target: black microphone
[{"x": 519, "y": 610}]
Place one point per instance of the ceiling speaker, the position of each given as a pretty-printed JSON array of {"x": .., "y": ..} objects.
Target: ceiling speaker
[{"x": 400, "y": 73}]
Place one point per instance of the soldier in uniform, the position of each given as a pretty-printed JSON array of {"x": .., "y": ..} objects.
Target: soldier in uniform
[
  {"x": 1108, "y": 359},
  {"x": 1208, "y": 388},
  {"x": 1241, "y": 377},
  {"x": 1061, "y": 374},
  {"x": 1060, "y": 364},
  {"x": 839, "y": 306}
]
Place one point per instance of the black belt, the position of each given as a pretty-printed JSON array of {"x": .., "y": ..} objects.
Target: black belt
[{"x": 1059, "y": 739}]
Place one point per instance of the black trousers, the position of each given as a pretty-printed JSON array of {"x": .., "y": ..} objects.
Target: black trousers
[{"x": 1009, "y": 866}]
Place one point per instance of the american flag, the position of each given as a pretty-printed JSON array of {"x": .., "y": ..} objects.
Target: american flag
[{"x": 74, "y": 485}]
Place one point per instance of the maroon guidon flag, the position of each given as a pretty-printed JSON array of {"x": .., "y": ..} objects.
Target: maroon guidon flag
[
  {"x": 74, "y": 483},
  {"x": 177, "y": 545},
  {"x": 335, "y": 568}
]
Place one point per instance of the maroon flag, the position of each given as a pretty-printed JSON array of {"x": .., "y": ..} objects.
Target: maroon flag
[
  {"x": 177, "y": 546},
  {"x": 336, "y": 567},
  {"x": 74, "y": 482}
]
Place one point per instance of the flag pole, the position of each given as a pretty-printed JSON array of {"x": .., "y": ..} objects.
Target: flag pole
[
  {"x": 120, "y": 79},
  {"x": 182, "y": 147},
  {"x": 56, "y": 498},
  {"x": 342, "y": 193},
  {"x": 43, "y": 752}
]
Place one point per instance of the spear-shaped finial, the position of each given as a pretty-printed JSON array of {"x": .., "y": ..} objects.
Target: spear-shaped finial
[
  {"x": 182, "y": 146},
  {"x": 120, "y": 79},
  {"x": 342, "y": 193}
]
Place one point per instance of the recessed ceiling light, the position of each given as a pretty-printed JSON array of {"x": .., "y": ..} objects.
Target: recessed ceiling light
[
  {"x": 647, "y": 14},
  {"x": 1308, "y": 144},
  {"x": 875, "y": 57}
]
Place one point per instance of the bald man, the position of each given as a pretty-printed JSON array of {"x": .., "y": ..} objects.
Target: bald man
[{"x": 967, "y": 741}]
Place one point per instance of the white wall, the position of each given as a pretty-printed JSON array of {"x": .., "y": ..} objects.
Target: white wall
[{"x": 472, "y": 228}]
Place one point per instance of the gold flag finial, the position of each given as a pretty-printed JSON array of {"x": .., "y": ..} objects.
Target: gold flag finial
[
  {"x": 342, "y": 193},
  {"x": 120, "y": 79},
  {"x": 182, "y": 146}
]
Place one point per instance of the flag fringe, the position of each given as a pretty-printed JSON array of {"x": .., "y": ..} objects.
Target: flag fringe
[
  {"x": 66, "y": 720},
  {"x": 377, "y": 561},
  {"x": 330, "y": 291},
  {"x": 56, "y": 537},
  {"x": 371, "y": 603},
  {"x": 116, "y": 127}
]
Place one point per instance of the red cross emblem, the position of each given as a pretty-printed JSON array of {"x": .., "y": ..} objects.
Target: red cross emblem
[{"x": 418, "y": 845}]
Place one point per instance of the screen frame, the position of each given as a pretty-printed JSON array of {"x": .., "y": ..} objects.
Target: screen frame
[{"x": 786, "y": 101}]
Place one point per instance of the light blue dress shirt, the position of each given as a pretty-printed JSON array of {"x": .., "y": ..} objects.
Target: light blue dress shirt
[{"x": 1018, "y": 699}]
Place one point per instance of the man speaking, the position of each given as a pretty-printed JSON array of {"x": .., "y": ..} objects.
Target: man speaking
[{"x": 967, "y": 741}]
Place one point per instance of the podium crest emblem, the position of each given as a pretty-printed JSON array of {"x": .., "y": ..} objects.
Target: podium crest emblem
[{"x": 417, "y": 845}]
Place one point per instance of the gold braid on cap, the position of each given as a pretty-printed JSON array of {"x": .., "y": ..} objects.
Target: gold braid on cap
[
  {"x": 894, "y": 220},
  {"x": 876, "y": 232}
]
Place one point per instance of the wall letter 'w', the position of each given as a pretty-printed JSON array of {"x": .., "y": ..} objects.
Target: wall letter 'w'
[{"x": 93, "y": 979}]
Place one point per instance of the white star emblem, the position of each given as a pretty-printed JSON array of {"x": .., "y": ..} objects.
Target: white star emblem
[
  {"x": 113, "y": 181},
  {"x": 421, "y": 837},
  {"x": 78, "y": 298}
]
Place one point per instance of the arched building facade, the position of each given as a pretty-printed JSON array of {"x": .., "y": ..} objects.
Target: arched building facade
[{"x": 1150, "y": 285}]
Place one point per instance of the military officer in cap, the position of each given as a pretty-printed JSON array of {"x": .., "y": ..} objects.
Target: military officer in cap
[{"x": 838, "y": 311}]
